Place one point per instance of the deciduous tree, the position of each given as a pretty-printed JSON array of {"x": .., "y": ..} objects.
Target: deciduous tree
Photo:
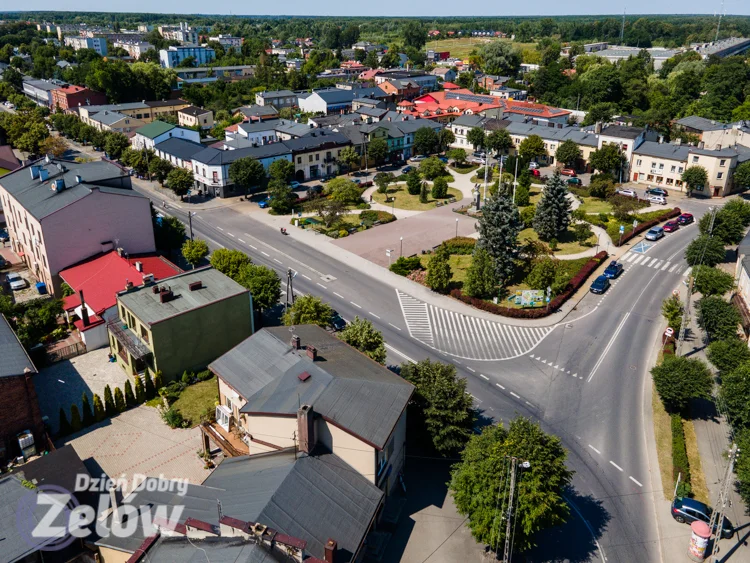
[
  {"x": 264, "y": 285},
  {"x": 229, "y": 262},
  {"x": 308, "y": 310},
  {"x": 477, "y": 138},
  {"x": 439, "y": 188},
  {"x": 695, "y": 177},
  {"x": 607, "y": 159},
  {"x": 362, "y": 335},
  {"x": 246, "y": 172},
  {"x": 180, "y": 180},
  {"x": 115, "y": 144},
  {"x": 718, "y": 318},
  {"x": 735, "y": 390},
  {"x": 194, "y": 251},
  {"x": 349, "y": 157},
  {"x": 439, "y": 271},
  {"x": 532, "y": 147},
  {"x": 481, "y": 280},
  {"x": 54, "y": 145},
  {"x": 679, "y": 379},
  {"x": 377, "y": 150},
  {"x": 568, "y": 153},
  {"x": 711, "y": 281},
  {"x": 281, "y": 169},
  {"x": 705, "y": 250},
  {"x": 431, "y": 168},
  {"x": 728, "y": 354},
  {"x": 499, "y": 57},
  {"x": 425, "y": 141}
]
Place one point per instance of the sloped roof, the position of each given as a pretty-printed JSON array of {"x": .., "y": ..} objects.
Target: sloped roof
[
  {"x": 8, "y": 159},
  {"x": 154, "y": 129},
  {"x": 663, "y": 150},
  {"x": 194, "y": 111},
  {"x": 622, "y": 131},
  {"x": 346, "y": 386},
  {"x": 180, "y": 148},
  {"x": 109, "y": 117},
  {"x": 220, "y": 550},
  {"x": 700, "y": 123},
  {"x": 15, "y": 360}
]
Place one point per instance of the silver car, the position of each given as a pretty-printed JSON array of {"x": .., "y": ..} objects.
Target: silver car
[
  {"x": 659, "y": 200},
  {"x": 16, "y": 281},
  {"x": 655, "y": 233}
]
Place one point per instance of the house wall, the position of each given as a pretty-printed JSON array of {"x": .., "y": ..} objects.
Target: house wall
[
  {"x": 743, "y": 282},
  {"x": 313, "y": 104},
  {"x": 141, "y": 142},
  {"x": 96, "y": 337},
  {"x": 230, "y": 398},
  {"x": 99, "y": 217},
  {"x": 719, "y": 171},
  {"x": 649, "y": 169},
  {"x": 315, "y": 164},
  {"x": 19, "y": 411},
  {"x": 724, "y": 138},
  {"x": 194, "y": 339},
  {"x": 109, "y": 555},
  {"x": 277, "y": 430},
  {"x": 176, "y": 161},
  {"x": 351, "y": 449},
  {"x": 394, "y": 454},
  {"x": 259, "y": 137},
  {"x": 204, "y": 120}
]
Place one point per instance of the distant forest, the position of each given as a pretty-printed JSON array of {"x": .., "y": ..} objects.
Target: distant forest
[{"x": 640, "y": 31}]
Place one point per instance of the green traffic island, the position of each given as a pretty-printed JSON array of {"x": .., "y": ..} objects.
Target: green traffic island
[{"x": 345, "y": 225}]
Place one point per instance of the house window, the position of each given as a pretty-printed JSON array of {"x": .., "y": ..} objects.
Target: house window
[
  {"x": 653, "y": 164},
  {"x": 673, "y": 169},
  {"x": 661, "y": 166},
  {"x": 317, "y": 156},
  {"x": 215, "y": 176},
  {"x": 299, "y": 160},
  {"x": 144, "y": 333},
  {"x": 695, "y": 159},
  {"x": 680, "y": 169},
  {"x": 309, "y": 158},
  {"x": 638, "y": 162},
  {"x": 722, "y": 162},
  {"x": 720, "y": 175}
]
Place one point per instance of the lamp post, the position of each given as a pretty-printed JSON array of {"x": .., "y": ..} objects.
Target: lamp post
[
  {"x": 456, "y": 227},
  {"x": 401, "y": 253},
  {"x": 190, "y": 222}
]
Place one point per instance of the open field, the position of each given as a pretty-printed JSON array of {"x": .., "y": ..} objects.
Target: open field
[{"x": 462, "y": 46}]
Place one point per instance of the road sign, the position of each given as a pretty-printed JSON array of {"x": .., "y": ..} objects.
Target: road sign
[
  {"x": 622, "y": 229},
  {"x": 669, "y": 332},
  {"x": 388, "y": 252},
  {"x": 635, "y": 223}
]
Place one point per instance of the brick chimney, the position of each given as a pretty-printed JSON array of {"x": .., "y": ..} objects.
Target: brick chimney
[
  {"x": 295, "y": 342},
  {"x": 306, "y": 428},
  {"x": 330, "y": 550},
  {"x": 84, "y": 310},
  {"x": 312, "y": 352}
]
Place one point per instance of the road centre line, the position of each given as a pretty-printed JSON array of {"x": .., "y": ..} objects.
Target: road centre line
[
  {"x": 231, "y": 235},
  {"x": 265, "y": 253},
  {"x": 338, "y": 295},
  {"x": 306, "y": 277},
  {"x": 357, "y": 306},
  {"x": 277, "y": 260},
  {"x": 615, "y": 465},
  {"x": 242, "y": 241},
  {"x": 593, "y": 448},
  {"x": 634, "y": 481},
  {"x": 321, "y": 285},
  {"x": 501, "y": 387},
  {"x": 516, "y": 396},
  {"x": 373, "y": 314},
  {"x": 609, "y": 345},
  {"x": 484, "y": 377},
  {"x": 407, "y": 358},
  {"x": 472, "y": 370}
]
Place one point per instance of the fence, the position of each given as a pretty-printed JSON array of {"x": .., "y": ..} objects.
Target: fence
[{"x": 66, "y": 352}]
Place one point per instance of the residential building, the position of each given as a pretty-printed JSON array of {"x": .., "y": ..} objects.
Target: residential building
[
  {"x": 730, "y": 135},
  {"x": 98, "y": 44},
  {"x": 316, "y": 154},
  {"x": 144, "y": 112},
  {"x": 134, "y": 48},
  {"x": 305, "y": 388},
  {"x": 662, "y": 164},
  {"x": 179, "y": 324},
  {"x": 269, "y": 131},
  {"x": 172, "y": 57},
  {"x": 179, "y": 152},
  {"x": 426, "y": 82},
  {"x": 19, "y": 408},
  {"x": 182, "y": 33},
  {"x": 553, "y": 137},
  {"x": 697, "y": 126},
  {"x": 400, "y": 89},
  {"x": 276, "y": 98},
  {"x": 506, "y": 93},
  {"x": 436, "y": 57},
  {"x": 626, "y": 138},
  {"x": 228, "y": 41},
  {"x": 294, "y": 64},
  {"x": 208, "y": 74},
  {"x": 8, "y": 160},
  {"x": 338, "y": 99},
  {"x": 445, "y": 74},
  {"x": 96, "y": 282},
  {"x": 193, "y": 116},
  {"x": 40, "y": 92},
  {"x": 43, "y": 199},
  {"x": 256, "y": 112},
  {"x": 72, "y": 96},
  {"x": 115, "y": 121},
  {"x": 157, "y": 131},
  {"x": 492, "y": 82},
  {"x": 211, "y": 166}
]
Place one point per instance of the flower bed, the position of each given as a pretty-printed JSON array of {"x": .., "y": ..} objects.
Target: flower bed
[
  {"x": 575, "y": 283},
  {"x": 646, "y": 225}
]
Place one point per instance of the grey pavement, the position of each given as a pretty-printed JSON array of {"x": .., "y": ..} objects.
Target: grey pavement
[{"x": 62, "y": 384}]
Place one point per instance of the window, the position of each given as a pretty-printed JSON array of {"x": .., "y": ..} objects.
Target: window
[
  {"x": 680, "y": 169},
  {"x": 695, "y": 159},
  {"x": 653, "y": 164},
  {"x": 309, "y": 158},
  {"x": 673, "y": 169},
  {"x": 317, "y": 156},
  {"x": 720, "y": 175},
  {"x": 638, "y": 162},
  {"x": 144, "y": 333},
  {"x": 661, "y": 166},
  {"x": 215, "y": 176},
  {"x": 299, "y": 160},
  {"x": 722, "y": 162}
]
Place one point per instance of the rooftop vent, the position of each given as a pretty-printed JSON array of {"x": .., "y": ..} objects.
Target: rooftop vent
[
  {"x": 195, "y": 285},
  {"x": 304, "y": 376},
  {"x": 165, "y": 295},
  {"x": 57, "y": 185},
  {"x": 139, "y": 265},
  {"x": 148, "y": 279},
  {"x": 295, "y": 342},
  {"x": 43, "y": 174}
]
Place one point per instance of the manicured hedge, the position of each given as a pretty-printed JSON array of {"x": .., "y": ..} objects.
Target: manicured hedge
[
  {"x": 680, "y": 463},
  {"x": 404, "y": 265},
  {"x": 372, "y": 216},
  {"x": 460, "y": 245},
  {"x": 646, "y": 225},
  {"x": 573, "y": 285}
]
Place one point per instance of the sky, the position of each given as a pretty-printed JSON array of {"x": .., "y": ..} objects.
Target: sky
[{"x": 394, "y": 7}]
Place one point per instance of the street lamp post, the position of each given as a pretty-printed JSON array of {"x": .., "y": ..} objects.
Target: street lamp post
[
  {"x": 402, "y": 247},
  {"x": 190, "y": 222},
  {"x": 456, "y": 227}
]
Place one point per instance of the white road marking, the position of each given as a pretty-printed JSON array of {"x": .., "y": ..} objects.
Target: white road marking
[
  {"x": 61, "y": 381},
  {"x": 638, "y": 259},
  {"x": 501, "y": 387},
  {"x": 484, "y": 376},
  {"x": 276, "y": 260},
  {"x": 321, "y": 285},
  {"x": 306, "y": 277},
  {"x": 392, "y": 349},
  {"x": 471, "y": 369},
  {"x": 222, "y": 230},
  {"x": 516, "y": 396},
  {"x": 528, "y": 403},
  {"x": 394, "y": 326},
  {"x": 373, "y": 314},
  {"x": 265, "y": 253},
  {"x": 253, "y": 247},
  {"x": 242, "y": 241},
  {"x": 673, "y": 267},
  {"x": 634, "y": 481},
  {"x": 593, "y": 448},
  {"x": 687, "y": 272},
  {"x": 338, "y": 295},
  {"x": 664, "y": 267},
  {"x": 231, "y": 235},
  {"x": 609, "y": 345},
  {"x": 357, "y": 306},
  {"x": 615, "y": 465}
]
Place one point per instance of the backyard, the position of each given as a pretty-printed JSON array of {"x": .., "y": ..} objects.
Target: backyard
[
  {"x": 196, "y": 399},
  {"x": 404, "y": 200}
]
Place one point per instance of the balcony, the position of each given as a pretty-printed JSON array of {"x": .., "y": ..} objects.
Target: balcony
[{"x": 128, "y": 339}]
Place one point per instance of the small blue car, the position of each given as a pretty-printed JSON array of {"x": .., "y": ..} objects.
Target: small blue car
[
  {"x": 600, "y": 285},
  {"x": 263, "y": 203},
  {"x": 613, "y": 270}
]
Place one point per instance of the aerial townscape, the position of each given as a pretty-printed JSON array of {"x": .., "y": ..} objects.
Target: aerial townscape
[{"x": 427, "y": 287}]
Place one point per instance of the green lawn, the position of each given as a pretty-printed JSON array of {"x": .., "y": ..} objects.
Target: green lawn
[
  {"x": 459, "y": 264},
  {"x": 464, "y": 168},
  {"x": 595, "y": 205},
  {"x": 462, "y": 46},
  {"x": 195, "y": 399},
  {"x": 404, "y": 200},
  {"x": 567, "y": 244}
]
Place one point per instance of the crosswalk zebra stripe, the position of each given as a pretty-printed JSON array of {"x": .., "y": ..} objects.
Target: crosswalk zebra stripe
[
  {"x": 687, "y": 272},
  {"x": 638, "y": 259},
  {"x": 658, "y": 264},
  {"x": 629, "y": 257},
  {"x": 652, "y": 262},
  {"x": 672, "y": 268},
  {"x": 664, "y": 267}
]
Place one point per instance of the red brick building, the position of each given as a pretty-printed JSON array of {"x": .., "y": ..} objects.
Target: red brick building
[
  {"x": 72, "y": 96},
  {"x": 19, "y": 408}
]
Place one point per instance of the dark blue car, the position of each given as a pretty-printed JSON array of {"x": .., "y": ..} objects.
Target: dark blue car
[
  {"x": 613, "y": 270},
  {"x": 600, "y": 285}
]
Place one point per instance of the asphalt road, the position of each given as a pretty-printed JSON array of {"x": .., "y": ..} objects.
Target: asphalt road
[{"x": 584, "y": 380}]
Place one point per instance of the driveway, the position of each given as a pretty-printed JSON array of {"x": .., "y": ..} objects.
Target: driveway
[
  {"x": 62, "y": 384},
  {"x": 137, "y": 441}
]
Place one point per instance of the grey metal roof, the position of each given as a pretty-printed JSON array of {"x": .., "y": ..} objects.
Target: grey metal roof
[
  {"x": 14, "y": 358},
  {"x": 700, "y": 123},
  {"x": 624, "y": 52},
  {"x": 146, "y": 305},
  {"x": 109, "y": 117},
  {"x": 42, "y": 85},
  {"x": 469, "y": 120},
  {"x": 334, "y": 96},
  {"x": 216, "y": 550},
  {"x": 276, "y": 94},
  {"x": 255, "y": 126},
  {"x": 116, "y": 107},
  {"x": 312, "y": 498},
  {"x": 217, "y": 157},
  {"x": 40, "y": 200},
  {"x": 579, "y": 137},
  {"x": 256, "y": 110},
  {"x": 180, "y": 148},
  {"x": 372, "y": 112},
  {"x": 345, "y": 386},
  {"x": 316, "y": 139},
  {"x": 293, "y": 128},
  {"x": 622, "y": 131},
  {"x": 663, "y": 150}
]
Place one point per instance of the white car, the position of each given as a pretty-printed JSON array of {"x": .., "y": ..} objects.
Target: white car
[
  {"x": 660, "y": 200},
  {"x": 16, "y": 281},
  {"x": 418, "y": 158},
  {"x": 533, "y": 165},
  {"x": 627, "y": 193}
]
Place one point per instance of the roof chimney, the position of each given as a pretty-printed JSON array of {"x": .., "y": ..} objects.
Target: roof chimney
[
  {"x": 84, "y": 310},
  {"x": 193, "y": 286},
  {"x": 312, "y": 352},
  {"x": 306, "y": 428},
  {"x": 330, "y": 550},
  {"x": 139, "y": 265},
  {"x": 113, "y": 502},
  {"x": 295, "y": 342},
  {"x": 128, "y": 285}
]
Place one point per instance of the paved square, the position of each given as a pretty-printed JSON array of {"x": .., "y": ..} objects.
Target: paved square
[
  {"x": 62, "y": 384},
  {"x": 138, "y": 441}
]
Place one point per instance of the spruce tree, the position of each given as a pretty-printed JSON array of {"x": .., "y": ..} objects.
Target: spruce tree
[
  {"x": 75, "y": 419},
  {"x": 119, "y": 400},
  {"x": 158, "y": 383},
  {"x": 413, "y": 183},
  {"x": 109, "y": 402},
  {"x": 149, "y": 388},
  {"x": 480, "y": 279},
  {"x": 439, "y": 271},
  {"x": 140, "y": 392},
  {"x": 64, "y": 429},
  {"x": 423, "y": 193},
  {"x": 498, "y": 234},
  {"x": 88, "y": 416},
  {"x": 98, "y": 408},
  {"x": 553, "y": 211},
  {"x": 129, "y": 397}
]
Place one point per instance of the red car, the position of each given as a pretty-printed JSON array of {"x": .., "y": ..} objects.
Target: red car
[
  {"x": 536, "y": 172},
  {"x": 671, "y": 226},
  {"x": 685, "y": 219},
  {"x": 568, "y": 172}
]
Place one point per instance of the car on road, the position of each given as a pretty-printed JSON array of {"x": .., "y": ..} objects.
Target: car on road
[
  {"x": 533, "y": 165},
  {"x": 671, "y": 226},
  {"x": 568, "y": 172},
  {"x": 600, "y": 285},
  {"x": 626, "y": 193},
  {"x": 684, "y": 219},
  {"x": 614, "y": 269},
  {"x": 657, "y": 199},
  {"x": 337, "y": 322},
  {"x": 688, "y": 510},
  {"x": 418, "y": 158},
  {"x": 407, "y": 169},
  {"x": 294, "y": 185},
  {"x": 575, "y": 182},
  {"x": 655, "y": 233},
  {"x": 657, "y": 191},
  {"x": 16, "y": 281}
]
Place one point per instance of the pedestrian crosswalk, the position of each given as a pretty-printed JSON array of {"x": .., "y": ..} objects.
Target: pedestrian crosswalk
[
  {"x": 637, "y": 259},
  {"x": 467, "y": 337}
]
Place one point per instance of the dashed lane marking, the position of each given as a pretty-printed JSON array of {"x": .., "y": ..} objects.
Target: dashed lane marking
[
  {"x": 634, "y": 481},
  {"x": 593, "y": 448},
  {"x": 615, "y": 465}
]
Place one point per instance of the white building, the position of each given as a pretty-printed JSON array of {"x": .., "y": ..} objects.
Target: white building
[
  {"x": 228, "y": 41},
  {"x": 98, "y": 44},
  {"x": 134, "y": 48},
  {"x": 157, "y": 131}
]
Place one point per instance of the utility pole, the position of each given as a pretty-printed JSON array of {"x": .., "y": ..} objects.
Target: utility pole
[
  {"x": 508, "y": 551},
  {"x": 515, "y": 178},
  {"x": 622, "y": 29},
  {"x": 717, "y": 517},
  {"x": 290, "y": 274},
  {"x": 718, "y": 27},
  {"x": 190, "y": 222},
  {"x": 486, "y": 160}
]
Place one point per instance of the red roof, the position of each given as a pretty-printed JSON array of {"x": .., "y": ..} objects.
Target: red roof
[
  {"x": 450, "y": 86},
  {"x": 72, "y": 89},
  {"x": 232, "y": 128},
  {"x": 102, "y": 276},
  {"x": 71, "y": 302},
  {"x": 94, "y": 320}
]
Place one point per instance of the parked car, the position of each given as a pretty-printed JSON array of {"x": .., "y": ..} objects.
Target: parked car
[
  {"x": 614, "y": 269},
  {"x": 684, "y": 219},
  {"x": 659, "y": 200},
  {"x": 314, "y": 190},
  {"x": 418, "y": 158},
  {"x": 337, "y": 322},
  {"x": 626, "y": 193},
  {"x": 600, "y": 285},
  {"x": 3, "y": 262},
  {"x": 657, "y": 191},
  {"x": 479, "y": 154},
  {"x": 671, "y": 226},
  {"x": 263, "y": 203},
  {"x": 16, "y": 281},
  {"x": 688, "y": 510},
  {"x": 568, "y": 172},
  {"x": 533, "y": 166},
  {"x": 294, "y": 185},
  {"x": 655, "y": 233},
  {"x": 4, "y": 235},
  {"x": 407, "y": 169},
  {"x": 536, "y": 172},
  {"x": 575, "y": 182},
  {"x": 443, "y": 159}
]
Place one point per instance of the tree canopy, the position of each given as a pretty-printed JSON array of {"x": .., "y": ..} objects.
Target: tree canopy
[
  {"x": 362, "y": 335},
  {"x": 307, "y": 310},
  {"x": 679, "y": 379}
]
